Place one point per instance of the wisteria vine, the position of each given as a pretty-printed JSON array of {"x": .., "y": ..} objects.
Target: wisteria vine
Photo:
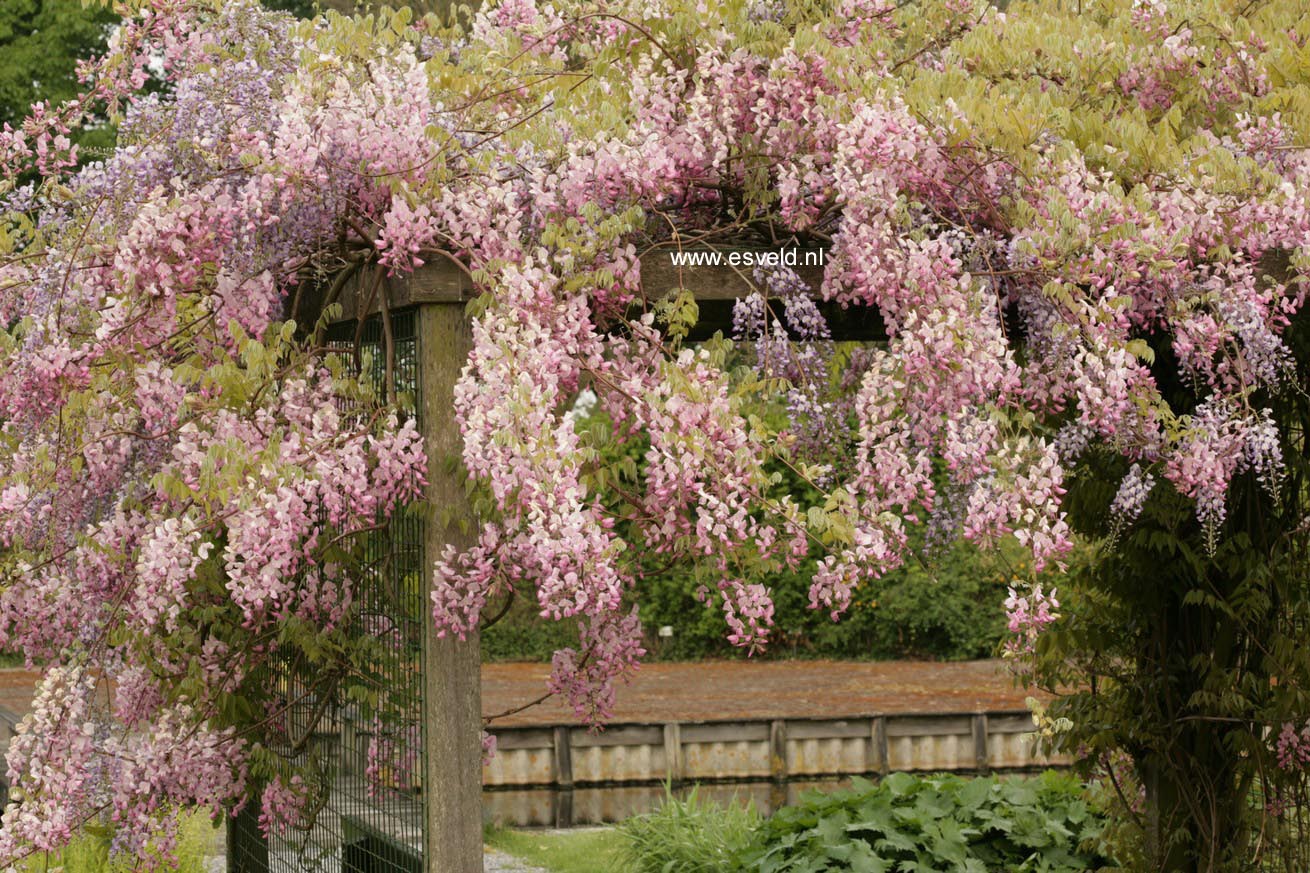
[{"x": 183, "y": 467}]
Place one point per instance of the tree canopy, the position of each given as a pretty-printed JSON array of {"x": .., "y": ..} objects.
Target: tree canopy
[
  {"x": 1061, "y": 212},
  {"x": 42, "y": 41}
]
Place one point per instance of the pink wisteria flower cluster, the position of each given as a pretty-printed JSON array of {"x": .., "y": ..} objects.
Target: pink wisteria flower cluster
[
  {"x": 182, "y": 470},
  {"x": 1027, "y": 615},
  {"x": 1293, "y": 747}
]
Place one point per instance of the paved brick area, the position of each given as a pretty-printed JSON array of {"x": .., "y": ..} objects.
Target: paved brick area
[
  {"x": 711, "y": 690},
  {"x": 16, "y": 690}
]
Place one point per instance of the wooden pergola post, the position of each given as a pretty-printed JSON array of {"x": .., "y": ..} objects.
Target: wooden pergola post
[
  {"x": 452, "y": 730},
  {"x": 452, "y": 693}
]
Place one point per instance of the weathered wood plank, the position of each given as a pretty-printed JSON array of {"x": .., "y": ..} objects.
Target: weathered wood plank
[
  {"x": 625, "y": 735},
  {"x": 879, "y": 756},
  {"x": 673, "y": 753},
  {"x": 563, "y": 759},
  {"x": 564, "y": 808},
  {"x": 1010, "y": 723},
  {"x": 524, "y": 738},
  {"x": 919, "y": 726},
  {"x": 726, "y": 732},
  {"x": 778, "y": 750},
  {"x": 980, "y": 742},
  {"x": 827, "y": 730}
]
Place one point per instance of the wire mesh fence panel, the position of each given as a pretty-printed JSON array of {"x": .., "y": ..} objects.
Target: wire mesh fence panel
[{"x": 361, "y": 734}]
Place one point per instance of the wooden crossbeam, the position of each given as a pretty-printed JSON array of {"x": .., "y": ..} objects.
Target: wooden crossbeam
[
  {"x": 722, "y": 281},
  {"x": 715, "y": 287}
]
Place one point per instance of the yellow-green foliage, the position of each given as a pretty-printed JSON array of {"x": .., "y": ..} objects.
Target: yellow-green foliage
[
  {"x": 1041, "y": 74},
  {"x": 89, "y": 852}
]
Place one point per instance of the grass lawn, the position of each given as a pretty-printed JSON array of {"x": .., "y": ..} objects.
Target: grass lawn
[{"x": 589, "y": 850}]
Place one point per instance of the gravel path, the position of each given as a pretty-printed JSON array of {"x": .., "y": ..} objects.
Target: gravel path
[{"x": 495, "y": 861}]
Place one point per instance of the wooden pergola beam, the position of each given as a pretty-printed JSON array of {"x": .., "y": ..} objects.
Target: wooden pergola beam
[{"x": 715, "y": 288}]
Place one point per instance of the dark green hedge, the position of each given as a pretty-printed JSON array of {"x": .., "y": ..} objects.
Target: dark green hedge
[{"x": 947, "y": 609}]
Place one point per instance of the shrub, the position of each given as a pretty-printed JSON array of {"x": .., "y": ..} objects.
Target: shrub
[
  {"x": 689, "y": 835},
  {"x": 523, "y": 635},
  {"x": 949, "y": 609},
  {"x": 938, "y": 823}
]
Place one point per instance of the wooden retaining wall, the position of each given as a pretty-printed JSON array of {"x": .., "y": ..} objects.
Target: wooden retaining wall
[{"x": 565, "y": 775}]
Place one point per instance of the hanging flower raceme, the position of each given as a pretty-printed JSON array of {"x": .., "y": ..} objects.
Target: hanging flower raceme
[{"x": 1027, "y": 616}]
